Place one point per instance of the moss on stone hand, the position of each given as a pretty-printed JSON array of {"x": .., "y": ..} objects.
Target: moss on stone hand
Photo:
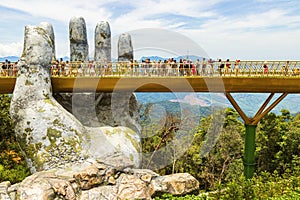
[
  {"x": 47, "y": 80},
  {"x": 53, "y": 135},
  {"x": 57, "y": 122},
  {"x": 133, "y": 142},
  {"x": 28, "y": 83},
  {"x": 131, "y": 157},
  {"x": 28, "y": 130},
  {"x": 41, "y": 110},
  {"x": 49, "y": 101}
]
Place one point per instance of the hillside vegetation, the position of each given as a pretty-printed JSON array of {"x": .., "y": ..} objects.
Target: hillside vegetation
[
  {"x": 214, "y": 153},
  {"x": 215, "y": 156}
]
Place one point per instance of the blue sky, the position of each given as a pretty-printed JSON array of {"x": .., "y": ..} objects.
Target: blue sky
[{"x": 234, "y": 29}]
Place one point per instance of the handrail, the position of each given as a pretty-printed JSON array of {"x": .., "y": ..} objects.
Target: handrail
[{"x": 132, "y": 69}]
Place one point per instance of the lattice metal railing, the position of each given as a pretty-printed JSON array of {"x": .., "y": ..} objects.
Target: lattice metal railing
[{"x": 166, "y": 69}]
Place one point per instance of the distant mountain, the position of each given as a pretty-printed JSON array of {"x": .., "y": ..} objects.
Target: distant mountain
[
  {"x": 157, "y": 58},
  {"x": 16, "y": 58},
  {"x": 152, "y": 58},
  {"x": 65, "y": 58},
  {"x": 10, "y": 58},
  {"x": 250, "y": 103}
]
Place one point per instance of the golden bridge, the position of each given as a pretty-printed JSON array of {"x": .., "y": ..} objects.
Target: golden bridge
[
  {"x": 225, "y": 77},
  {"x": 244, "y": 76}
]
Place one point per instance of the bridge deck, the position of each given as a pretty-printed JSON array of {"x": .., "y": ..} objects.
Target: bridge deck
[{"x": 167, "y": 84}]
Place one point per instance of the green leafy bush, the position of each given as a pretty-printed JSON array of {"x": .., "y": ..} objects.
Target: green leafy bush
[
  {"x": 13, "y": 167},
  {"x": 186, "y": 197}
]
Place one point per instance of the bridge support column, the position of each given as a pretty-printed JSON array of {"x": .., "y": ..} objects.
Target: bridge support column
[
  {"x": 249, "y": 154},
  {"x": 250, "y": 125}
]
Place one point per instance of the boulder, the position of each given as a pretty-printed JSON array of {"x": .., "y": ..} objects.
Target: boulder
[
  {"x": 79, "y": 48},
  {"x": 175, "y": 184},
  {"x": 98, "y": 181},
  {"x": 44, "y": 186},
  {"x": 4, "y": 190},
  {"x": 125, "y": 49},
  {"x": 131, "y": 187}
]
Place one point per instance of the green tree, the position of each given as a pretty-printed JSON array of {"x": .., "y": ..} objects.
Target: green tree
[
  {"x": 215, "y": 152},
  {"x": 12, "y": 164},
  {"x": 278, "y": 142}
]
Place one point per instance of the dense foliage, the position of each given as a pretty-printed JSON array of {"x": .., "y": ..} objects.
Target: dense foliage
[
  {"x": 12, "y": 163},
  {"x": 215, "y": 157}
]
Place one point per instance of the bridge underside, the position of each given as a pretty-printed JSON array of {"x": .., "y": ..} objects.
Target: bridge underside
[{"x": 172, "y": 84}]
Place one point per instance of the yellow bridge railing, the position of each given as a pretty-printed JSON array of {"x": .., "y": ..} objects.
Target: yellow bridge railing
[{"x": 162, "y": 69}]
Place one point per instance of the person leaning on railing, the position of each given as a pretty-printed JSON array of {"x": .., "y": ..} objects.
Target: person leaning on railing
[
  {"x": 1, "y": 70},
  {"x": 220, "y": 66},
  {"x": 210, "y": 67},
  {"x": 204, "y": 64},
  {"x": 266, "y": 68},
  {"x": 236, "y": 67},
  {"x": 286, "y": 69},
  {"x": 227, "y": 67},
  {"x": 14, "y": 69}
]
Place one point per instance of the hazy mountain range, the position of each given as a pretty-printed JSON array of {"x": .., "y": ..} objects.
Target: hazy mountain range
[
  {"x": 157, "y": 58},
  {"x": 10, "y": 58},
  {"x": 249, "y": 103}
]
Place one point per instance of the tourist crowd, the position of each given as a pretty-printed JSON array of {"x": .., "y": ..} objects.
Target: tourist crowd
[
  {"x": 168, "y": 67},
  {"x": 8, "y": 68}
]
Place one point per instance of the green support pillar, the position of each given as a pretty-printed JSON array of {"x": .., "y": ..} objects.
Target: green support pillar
[{"x": 249, "y": 154}]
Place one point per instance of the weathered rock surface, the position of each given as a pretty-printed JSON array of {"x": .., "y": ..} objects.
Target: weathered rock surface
[
  {"x": 79, "y": 48},
  {"x": 118, "y": 146},
  {"x": 175, "y": 184},
  {"x": 102, "y": 43},
  {"x": 125, "y": 49},
  {"x": 48, "y": 134},
  {"x": 49, "y": 29},
  {"x": 4, "y": 190},
  {"x": 98, "y": 182}
]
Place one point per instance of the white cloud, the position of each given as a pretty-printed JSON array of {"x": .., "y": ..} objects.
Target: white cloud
[
  {"x": 12, "y": 49},
  {"x": 240, "y": 32}
]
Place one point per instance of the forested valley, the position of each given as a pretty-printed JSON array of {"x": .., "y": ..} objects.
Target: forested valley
[{"x": 213, "y": 154}]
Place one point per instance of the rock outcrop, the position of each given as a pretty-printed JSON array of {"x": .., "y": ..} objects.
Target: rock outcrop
[
  {"x": 125, "y": 49},
  {"x": 99, "y": 182},
  {"x": 48, "y": 134},
  {"x": 102, "y": 43},
  {"x": 79, "y": 48}
]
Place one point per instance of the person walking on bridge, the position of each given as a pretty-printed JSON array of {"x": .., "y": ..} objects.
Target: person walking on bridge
[{"x": 266, "y": 68}]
